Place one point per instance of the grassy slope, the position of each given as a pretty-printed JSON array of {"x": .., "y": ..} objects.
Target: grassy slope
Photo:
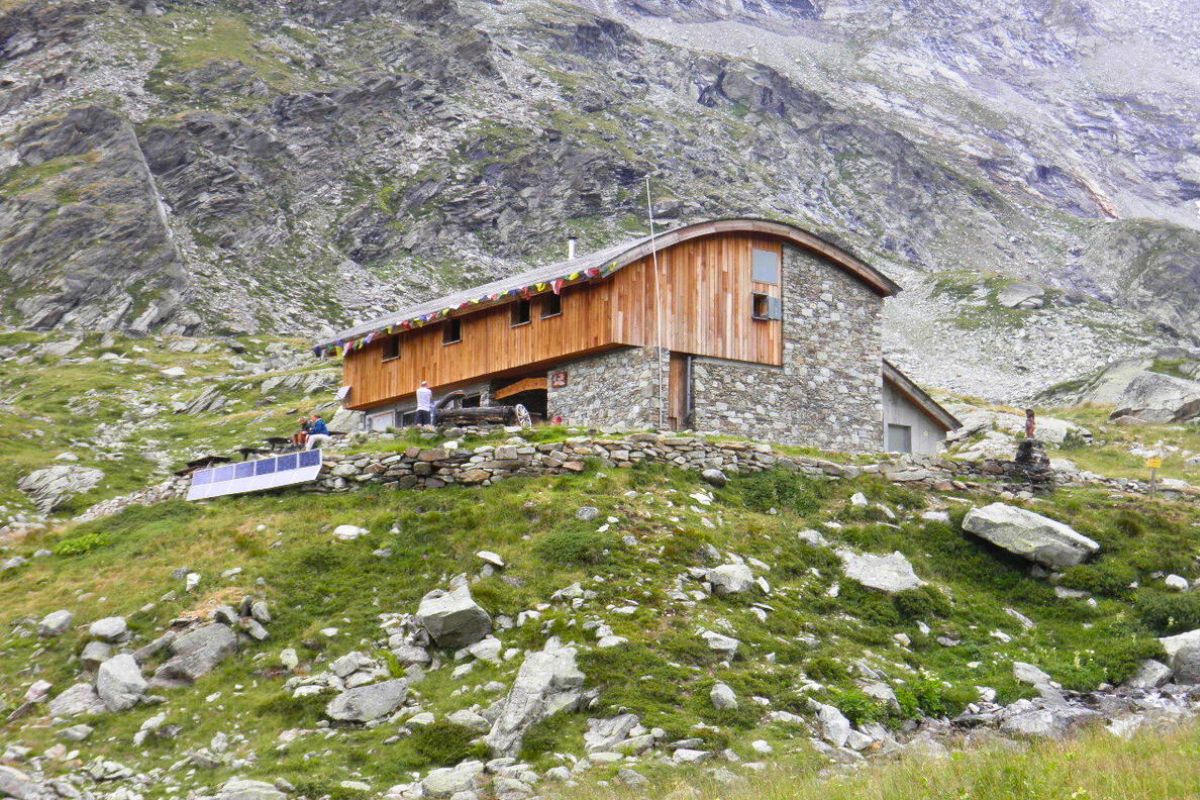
[
  {"x": 664, "y": 673},
  {"x": 54, "y": 405}
]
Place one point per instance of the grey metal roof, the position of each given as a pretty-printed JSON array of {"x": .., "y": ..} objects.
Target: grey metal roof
[{"x": 610, "y": 259}]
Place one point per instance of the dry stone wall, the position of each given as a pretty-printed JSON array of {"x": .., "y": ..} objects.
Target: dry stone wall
[{"x": 616, "y": 390}]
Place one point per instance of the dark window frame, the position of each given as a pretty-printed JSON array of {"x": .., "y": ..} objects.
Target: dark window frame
[
  {"x": 390, "y": 344},
  {"x": 765, "y": 307},
  {"x": 521, "y": 313},
  {"x": 556, "y": 299},
  {"x": 452, "y": 328}
]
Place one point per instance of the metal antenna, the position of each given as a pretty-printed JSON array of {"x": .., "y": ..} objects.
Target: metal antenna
[{"x": 658, "y": 313}]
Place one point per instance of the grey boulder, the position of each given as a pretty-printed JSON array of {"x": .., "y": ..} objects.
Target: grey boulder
[
  {"x": 1030, "y": 535},
  {"x": 730, "y": 579},
  {"x": 119, "y": 682},
  {"x": 243, "y": 789},
  {"x": 548, "y": 682},
  {"x": 1185, "y": 664},
  {"x": 1150, "y": 675},
  {"x": 366, "y": 703},
  {"x": 77, "y": 700},
  {"x": 55, "y": 623},
  {"x": 453, "y": 619},
  {"x": 891, "y": 573},
  {"x": 18, "y": 785},
  {"x": 195, "y": 654},
  {"x": 109, "y": 629},
  {"x": 449, "y": 781}
]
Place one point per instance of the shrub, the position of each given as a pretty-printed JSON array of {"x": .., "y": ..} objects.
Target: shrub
[
  {"x": 923, "y": 696},
  {"x": 922, "y": 603},
  {"x": 78, "y": 545},
  {"x": 575, "y": 547},
  {"x": 1169, "y": 613},
  {"x": 826, "y": 670},
  {"x": 1106, "y": 577},
  {"x": 783, "y": 490},
  {"x": 444, "y": 743},
  {"x": 858, "y": 706}
]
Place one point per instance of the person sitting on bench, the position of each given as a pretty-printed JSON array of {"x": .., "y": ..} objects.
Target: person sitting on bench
[{"x": 318, "y": 432}]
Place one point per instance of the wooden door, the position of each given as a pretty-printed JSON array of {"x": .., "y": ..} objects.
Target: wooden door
[{"x": 679, "y": 391}]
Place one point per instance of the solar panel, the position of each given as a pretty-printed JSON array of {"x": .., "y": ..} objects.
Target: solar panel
[{"x": 254, "y": 476}]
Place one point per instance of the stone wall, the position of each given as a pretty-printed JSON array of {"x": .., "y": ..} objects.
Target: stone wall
[
  {"x": 616, "y": 390},
  {"x": 828, "y": 393}
]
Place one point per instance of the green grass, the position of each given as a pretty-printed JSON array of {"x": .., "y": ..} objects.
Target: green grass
[
  {"x": 1110, "y": 453},
  {"x": 1152, "y": 765}
]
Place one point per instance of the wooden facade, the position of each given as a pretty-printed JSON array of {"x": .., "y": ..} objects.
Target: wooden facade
[{"x": 704, "y": 291}]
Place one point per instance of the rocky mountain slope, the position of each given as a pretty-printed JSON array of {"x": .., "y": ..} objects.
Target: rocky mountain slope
[{"x": 232, "y": 165}]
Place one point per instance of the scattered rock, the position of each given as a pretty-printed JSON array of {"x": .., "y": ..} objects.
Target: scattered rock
[
  {"x": 448, "y": 781},
  {"x": 55, "y": 623},
  {"x": 1030, "y": 535},
  {"x": 196, "y": 653},
  {"x": 109, "y": 629},
  {"x": 77, "y": 700},
  {"x": 51, "y": 487},
  {"x": 119, "y": 682},
  {"x": 366, "y": 703},
  {"x": 453, "y": 619},
  {"x": 1150, "y": 675},
  {"x": 491, "y": 558},
  {"x": 714, "y": 477},
  {"x": 892, "y": 573},
  {"x": 730, "y": 579},
  {"x": 348, "y": 533},
  {"x": 548, "y": 682},
  {"x": 723, "y": 698}
]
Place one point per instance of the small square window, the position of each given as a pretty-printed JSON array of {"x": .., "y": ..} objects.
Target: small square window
[
  {"x": 521, "y": 312},
  {"x": 765, "y": 267},
  {"x": 899, "y": 438},
  {"x": 551, "y": 305},
  {"x": 765, "y": 307},
  {"x": 391, "y": 348},
  {"x": 452, "y": 331}
]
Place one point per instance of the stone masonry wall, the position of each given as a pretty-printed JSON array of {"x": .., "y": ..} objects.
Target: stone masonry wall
[
  {"x": 616, "y": 390},
  {"x": 828, "y": 393}
]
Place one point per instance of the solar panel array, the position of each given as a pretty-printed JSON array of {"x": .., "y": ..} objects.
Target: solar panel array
[{"x": 254, "y": 476}]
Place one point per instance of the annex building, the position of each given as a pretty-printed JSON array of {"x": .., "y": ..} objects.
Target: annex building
[{"x": 740, "y": 326}]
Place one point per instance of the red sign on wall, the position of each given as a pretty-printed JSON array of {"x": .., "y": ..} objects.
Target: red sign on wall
[{"x": 558, "y": 379}]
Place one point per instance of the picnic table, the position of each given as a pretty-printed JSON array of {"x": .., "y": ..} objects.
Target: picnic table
[
  {"x": 278, "y": 444},
  {"x": 251, "y": 450},
  {"x": 202, "y": 462}
]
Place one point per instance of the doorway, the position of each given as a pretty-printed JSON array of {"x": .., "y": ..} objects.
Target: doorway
[{"x": 679, "y": 392}]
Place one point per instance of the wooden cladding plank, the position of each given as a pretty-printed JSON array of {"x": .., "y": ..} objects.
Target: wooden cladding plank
[
  {"x": 523, "y": 385},
  {"x": 704, "y": 288}
]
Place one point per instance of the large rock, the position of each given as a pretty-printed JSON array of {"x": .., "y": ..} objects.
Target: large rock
[
  {"x": 1185, "y": 664},
  {"x": 730, "y": 579},
  {"x": 449, "y": 781},
  {"x": 77, "y": 700},
  {"x": 892, "y": 573},
  {"x": 366, "y": 703},
  {"x": 1030, "y": 535},
  {"x": 453, "y": 619},
  {"x": 1150, "y": 675},
  {"x": 1022, "y": 295},
  {"x": 1173, "y": 644},
  {"x": 109, "y": 629},
  {"x": 55, "y": 623},
  {"x": 1154, "y": 397},
  {"x": 119, "y": 682},
  {"x": 195, "y": 654},
  {"x": 1040, "y": 720},
  {"x": 243, "y": 789},
  {"x": 51, "y": 487},
  {"x": 18, "y": 785},
  {"x": 548, "y": 682},
  {"x": 603, "y": 735}
]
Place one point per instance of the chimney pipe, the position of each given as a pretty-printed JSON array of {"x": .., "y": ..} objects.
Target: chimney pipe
[{"x": 571, "y": 249}]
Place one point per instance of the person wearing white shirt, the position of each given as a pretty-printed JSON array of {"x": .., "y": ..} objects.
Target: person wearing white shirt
[{"x": 424, "y": 404}]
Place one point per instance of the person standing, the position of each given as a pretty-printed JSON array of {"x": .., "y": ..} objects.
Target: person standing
[
  {"x": 424, "y": 404},
  {"x": 1030, "y": 424}
]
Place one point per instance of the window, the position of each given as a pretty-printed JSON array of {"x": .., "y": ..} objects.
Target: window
[
  {"x": 521, "y": 312},
  {"x": 408, "y": 419},
  {"x": 899, "y": 438},
  {"x": 472, "y": 401},
  {"x": 391, "y": 348},
  {"x": 551, "y": 305},
  {"x": 381, "y": 422},
  {"x": 452, "y": 331},
  {"x": 765, "y": 267},
  {"x": 766, "y": 307}
]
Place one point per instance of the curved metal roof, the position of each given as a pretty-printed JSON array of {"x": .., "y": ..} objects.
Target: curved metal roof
[{"x": 602, "y": 263}]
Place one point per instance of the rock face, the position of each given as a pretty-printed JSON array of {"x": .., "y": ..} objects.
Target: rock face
[
  {"x": 1154, "y": 397},
  {"x": 366, "y": 703},
  {"x": 1029, "y": 535},
  {"x": 119, "y": 682},
  {"x": 51, "y": 487},
  {"x": 453, "y": 619},
  {"x": 195, "y": 654},
  {"x": 18, "y": 785},
  {"x": 891, "y": 573},
  {"x": 548, "y": 682}
]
